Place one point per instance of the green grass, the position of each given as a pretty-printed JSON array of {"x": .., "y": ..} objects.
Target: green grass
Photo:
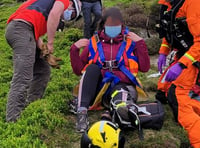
[
  {"x": 47, "y": 122},
  {"x": 111, "y": 3}
]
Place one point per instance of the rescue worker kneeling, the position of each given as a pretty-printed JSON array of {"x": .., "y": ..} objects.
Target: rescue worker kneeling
[
  {"x": 184, "y": 93},
  {"x": 113, "y": 54}
]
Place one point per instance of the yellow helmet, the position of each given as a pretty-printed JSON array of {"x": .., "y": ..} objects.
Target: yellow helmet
[{"x": 103, "y": 134}]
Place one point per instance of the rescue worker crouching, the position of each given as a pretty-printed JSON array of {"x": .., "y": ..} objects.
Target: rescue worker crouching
[
  {"x": 112, "y": 46},
  {"x": 183, "y": 94}
]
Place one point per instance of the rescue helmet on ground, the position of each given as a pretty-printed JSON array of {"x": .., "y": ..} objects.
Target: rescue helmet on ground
[{"x": 103, "y": 134}]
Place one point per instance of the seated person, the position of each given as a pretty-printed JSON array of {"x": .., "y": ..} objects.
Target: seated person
[{"x": 112, "y": 52}]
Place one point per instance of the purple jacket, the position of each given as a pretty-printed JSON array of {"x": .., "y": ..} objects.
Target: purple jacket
[{"x": 78, "y": 62}]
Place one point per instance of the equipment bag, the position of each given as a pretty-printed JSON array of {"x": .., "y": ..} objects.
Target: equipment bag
[
  {"x": 129, "y": 116},
  {"x": 155, "y": 119},
  {"x": 149, "y": 115}
]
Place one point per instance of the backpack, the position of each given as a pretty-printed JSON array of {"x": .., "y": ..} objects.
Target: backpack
[{"x": 155, "y": 119}]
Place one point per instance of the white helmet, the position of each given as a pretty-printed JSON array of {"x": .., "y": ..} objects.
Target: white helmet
[
  {"x": 77, "y": 5},
  {"x": 68, "y": 13}
]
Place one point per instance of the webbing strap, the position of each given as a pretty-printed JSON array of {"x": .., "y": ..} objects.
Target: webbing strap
[
  {"x": 121, "y": 51},
  {"x": 129, "y": 75},
  {"x": 94, "y": 54},
  {"x": 100, "y": 49},
  {"x": 126, "y": 30},
  {"x": 91, "y": 50},
  {"x": 174, "y": 11},
  {"x": 123, "y": 45},
  {"x": 130, "y": 51},
  {"x": 109, "y": 77},
  {"x": 122, "y": 104},
  {"x": 114, "y": 93}
]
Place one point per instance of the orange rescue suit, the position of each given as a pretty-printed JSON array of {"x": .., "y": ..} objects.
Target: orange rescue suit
[{"x": 188, "y": 108}]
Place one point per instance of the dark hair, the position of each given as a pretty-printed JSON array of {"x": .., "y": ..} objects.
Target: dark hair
[{"x": 112, "y": 12}]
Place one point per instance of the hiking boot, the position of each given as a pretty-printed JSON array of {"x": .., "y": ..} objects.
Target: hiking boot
[{"x": 82, "y": 121}]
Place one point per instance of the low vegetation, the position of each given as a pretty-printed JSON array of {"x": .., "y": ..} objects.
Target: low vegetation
[{"x": 47, "y": 122}]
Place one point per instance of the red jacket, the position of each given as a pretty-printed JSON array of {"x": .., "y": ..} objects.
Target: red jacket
[
  {"x": 78, "y": 62},
  {"x": 31, "y": 11}
]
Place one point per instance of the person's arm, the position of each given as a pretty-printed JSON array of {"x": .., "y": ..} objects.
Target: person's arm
[
  {"x": 40, "y": 43},
  {"x": 191, "y": 10},
  {"x": 78, "y": 61},
  {"x": 193, "y": 21},
  {"x": 52, "y": 23},
  {"x": 165, "y": 47},
  {"x": 164, "y": 50},
  {"x": 141, "y": 52}
]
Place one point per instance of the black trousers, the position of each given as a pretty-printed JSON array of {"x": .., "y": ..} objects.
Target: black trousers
[{"x": 90, "y": 87}]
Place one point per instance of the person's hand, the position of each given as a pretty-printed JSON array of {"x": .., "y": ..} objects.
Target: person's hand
[
  {"x": 81, "y": 43},
  {"x": 134, "y": 37},
  {"x": 40, "y": 43},
  {"x": 50, "y": 47},
  {"x": 161, "y": 62},
  {"x": 173, "y": 72}
]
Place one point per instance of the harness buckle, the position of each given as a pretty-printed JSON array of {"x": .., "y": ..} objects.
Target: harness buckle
[
  {"x": 97, "y": 37},
  {"x": 112, "y": 64},
  {"x": 125, "y": 37}
]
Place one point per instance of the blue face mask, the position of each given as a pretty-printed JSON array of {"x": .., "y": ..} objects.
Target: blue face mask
[
  {"x": 67, "y": 15},
  {"x": 113, "y": 31}
]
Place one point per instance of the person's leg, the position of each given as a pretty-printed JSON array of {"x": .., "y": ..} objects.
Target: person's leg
[
  {"x": 20, "y": 37},
  {"x": 123, "y": 95},
  {"x": 186, "y": 109},
  {"x": 87, "y": 93},
  {"x": 41, "y": 76},
  {"x": 88, "y": 85},
  {"x": 124, "y": 92},
  {"x": 97, "y": 11},
  {"x": 86, "y": 9},
  {"x": 172, "y": 100},
  {"x": 189, "y": 116}
]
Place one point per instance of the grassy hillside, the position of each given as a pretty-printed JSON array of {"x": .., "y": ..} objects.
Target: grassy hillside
[{"x": 47, "y": 122}]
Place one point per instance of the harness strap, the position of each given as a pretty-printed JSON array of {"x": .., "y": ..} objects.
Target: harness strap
[
  {"x": 122, "y": 104},
  {"x": 93, "y": 49},
  {"x": 108, "y": 77},
  {"x": 100, "y": 49},
  {"x": 174, "y": 11},
  {"x": 121, "y": 51},
  {"x": 129, "y": 75}
]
